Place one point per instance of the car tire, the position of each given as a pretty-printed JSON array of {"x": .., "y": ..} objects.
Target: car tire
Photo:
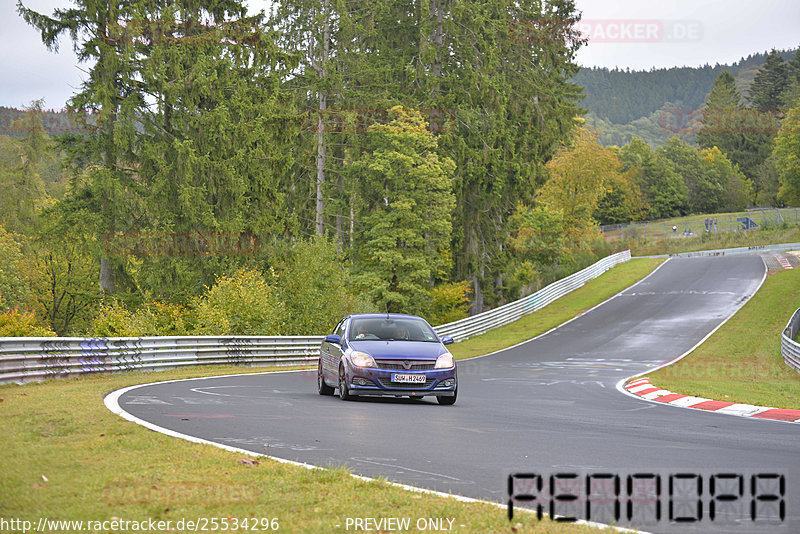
[
  {"x": 344, "y": 391},
  {"x": 322, "y": 387},
  {"x": 448, "y": 401}
]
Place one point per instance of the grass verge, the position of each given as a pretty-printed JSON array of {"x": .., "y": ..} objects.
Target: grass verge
[
  {"x": 742, "y": 361},
  {"x": 726, "y": 222},
  {"x": 66, "y": 457},
  {"x": 591, "y": 294},
  {"x": 711, "y": 241}
]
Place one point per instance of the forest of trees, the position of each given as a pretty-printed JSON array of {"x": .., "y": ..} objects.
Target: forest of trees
[
  {"x": 654, "y": 105},
  {"x": 622, "y": 96},
  {"x": 233, "y": 174}
]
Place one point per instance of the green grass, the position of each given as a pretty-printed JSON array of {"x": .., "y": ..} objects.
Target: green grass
[
  {"x": 742, "y": 361},
  {"x": 718, "y": 240},
  {"x": 590, "y": 295},
  {"x": 726, "y": 222},
  {"x": 65, "y": 456},
  {"x": 649, "y": 238}
]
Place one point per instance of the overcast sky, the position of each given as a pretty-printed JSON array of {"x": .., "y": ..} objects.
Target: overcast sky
[{"x": 639, "y": 34}]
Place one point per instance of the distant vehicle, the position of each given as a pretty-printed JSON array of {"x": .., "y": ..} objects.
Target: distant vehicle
[
  {"x": 747, "y": 223},
  {"x": 388, "y": 355}
]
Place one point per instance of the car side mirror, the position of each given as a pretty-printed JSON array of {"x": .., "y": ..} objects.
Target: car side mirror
[
  {"x": 447, "y": 340},
  {"x": 333, "y": 338}
]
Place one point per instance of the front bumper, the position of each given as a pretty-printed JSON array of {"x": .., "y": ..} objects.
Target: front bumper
[{"x": 378, "y": 382}]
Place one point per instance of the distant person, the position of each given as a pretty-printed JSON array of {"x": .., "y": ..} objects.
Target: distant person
[{"x": 674, "y": 229}]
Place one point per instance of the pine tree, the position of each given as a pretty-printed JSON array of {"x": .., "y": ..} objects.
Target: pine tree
[
  {"x": 791, "y": 96},
  {"x": 20, "y": 177},
  {"x": 505, "y": 71},
  {"x": 491, "y": 77},
  {"x": 215, "y": 149},
  {"x": 338, "y": 85},
  {"x": 771, "y": 81},
  {"x": 743, "y": 135},
  {"x": 794, "y": 67},
  {"x": 190, "y": 137},
  {"x": 722, "y": 109},
  {"x": 403, "y": 241},
  {"x": 106, "y": 95}
]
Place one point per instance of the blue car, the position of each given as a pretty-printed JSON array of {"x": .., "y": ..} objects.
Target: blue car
[{"x": 387, "y": 354}]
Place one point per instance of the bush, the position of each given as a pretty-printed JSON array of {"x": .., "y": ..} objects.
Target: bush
[
  {"x": 15, "y": 323},
  {"x": 449, "y": 302},
  {"x": 240, "y": 304},
  {"x": 313, "y": 283},
  {"x": 114, "y": 320},
  {"x": 154, "y": 318},
  {"x": 64, "y": 284},
  {"x": 306, "y": 292},
  {"x": 14, "y": 287},
  {"x": 166, "y": 319}
]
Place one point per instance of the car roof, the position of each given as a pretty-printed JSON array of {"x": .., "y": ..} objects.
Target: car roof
[{"x": 384, "y": 315}]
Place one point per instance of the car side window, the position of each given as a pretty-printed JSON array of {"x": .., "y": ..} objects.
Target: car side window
[
  {"x": 340, "y": 329},
  {"x": 337, "y": 327}
]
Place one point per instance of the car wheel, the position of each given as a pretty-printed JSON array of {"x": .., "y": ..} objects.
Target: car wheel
[
  {"x": 344, "y": 392},
  {"x": 322, "y": 387},
  {"x": 447, "y": 401}
]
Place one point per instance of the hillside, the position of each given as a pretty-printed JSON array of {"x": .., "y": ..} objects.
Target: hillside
[
  {"x": 55, "y": 122},
  {"x": 657, "y": 104}
]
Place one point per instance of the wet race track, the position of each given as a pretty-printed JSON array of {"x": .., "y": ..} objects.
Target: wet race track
[{"x": 548, "y": 407}]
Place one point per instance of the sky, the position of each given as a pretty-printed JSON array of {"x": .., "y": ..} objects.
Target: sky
[{"x": 635, "y": 34}]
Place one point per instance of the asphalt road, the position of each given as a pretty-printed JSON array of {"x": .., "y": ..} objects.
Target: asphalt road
[{"x": 548, "y": 406}]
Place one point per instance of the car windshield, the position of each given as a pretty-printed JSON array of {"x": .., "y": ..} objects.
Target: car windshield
[{"x": 391, "y": 329}]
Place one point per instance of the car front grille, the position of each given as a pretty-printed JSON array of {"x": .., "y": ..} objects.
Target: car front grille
[
  {"x": 416, "y": 365},
  {"x": 401, "y": 385}
]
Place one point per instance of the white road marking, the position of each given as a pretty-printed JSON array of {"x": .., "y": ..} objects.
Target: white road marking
[
  {"x": 145, "y": 399},
  {"x": 403, "y": 468},
  {"x": 279, "y": 401}
]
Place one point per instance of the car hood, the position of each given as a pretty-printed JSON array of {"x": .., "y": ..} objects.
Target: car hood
[{"x": 400, "y": 350}]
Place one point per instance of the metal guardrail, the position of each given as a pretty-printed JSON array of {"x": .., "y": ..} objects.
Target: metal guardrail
[
  {"x": 28, "y": 359},
  {"x": 483, "y": 322},
  {"x": 39, "y": 358},
  {"x": 758, "y": 249},
  {"x": 789, "y": 347}
]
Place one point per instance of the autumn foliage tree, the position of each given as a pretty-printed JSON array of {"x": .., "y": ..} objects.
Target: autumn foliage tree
[{"x": 579, "y": 177}]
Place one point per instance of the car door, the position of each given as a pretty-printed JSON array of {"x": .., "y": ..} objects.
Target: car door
[{"x": 331, "y": 353}]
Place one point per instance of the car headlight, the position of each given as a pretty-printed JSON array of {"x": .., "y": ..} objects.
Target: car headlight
[
  {"x": 362, "y": 359},
  {"x": 445, "y": 361}
]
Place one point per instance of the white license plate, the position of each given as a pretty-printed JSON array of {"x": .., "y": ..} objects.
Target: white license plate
[{"x": 408, "y": 379}]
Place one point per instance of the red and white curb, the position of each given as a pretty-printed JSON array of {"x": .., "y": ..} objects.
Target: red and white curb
[
  {"x": 644, "y": 389},
  {"x": 785, "y": 263}
]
